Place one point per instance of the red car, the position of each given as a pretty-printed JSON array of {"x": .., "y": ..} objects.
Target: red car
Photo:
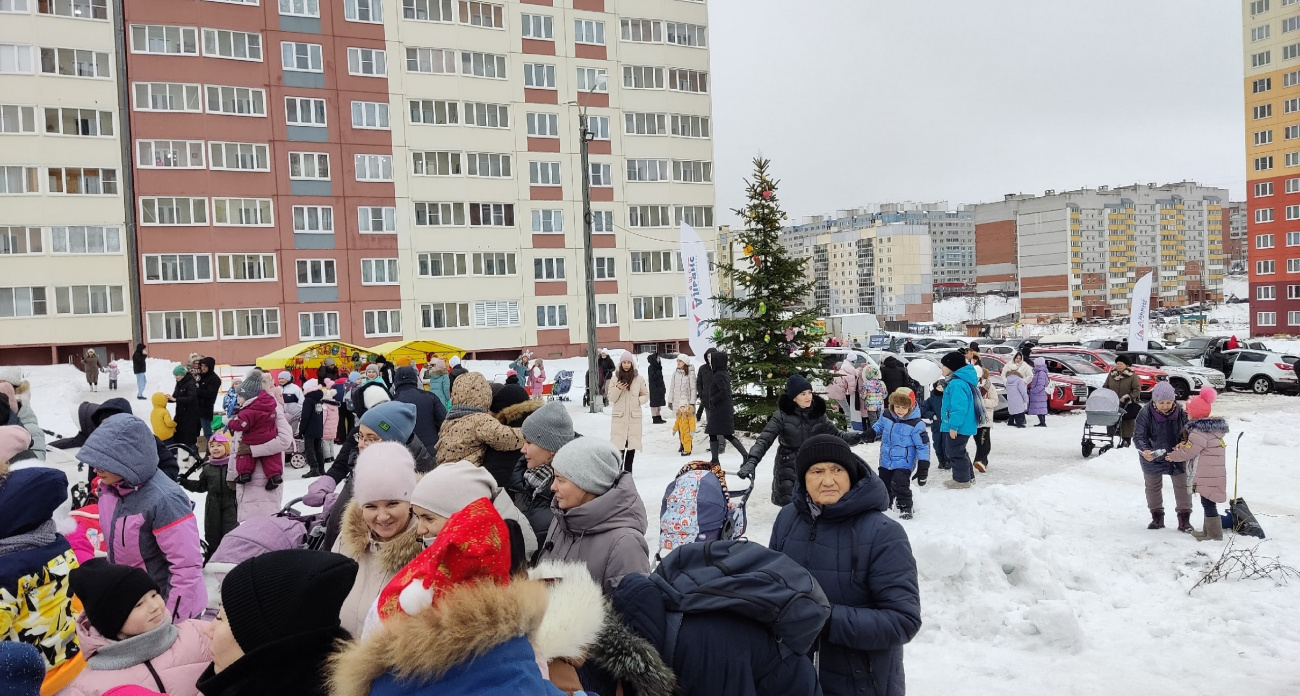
[
  {"x": 1105, "y": 359},
  {"x": 1065, "y": 393}
]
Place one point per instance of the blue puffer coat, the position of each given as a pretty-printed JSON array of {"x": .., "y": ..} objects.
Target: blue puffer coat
[
  {"x": 1157, "y": 431},
  {"x": 864, "y": 563},
  {"x": 960, "y": 399},
  {"x": 903, "y": 441}
]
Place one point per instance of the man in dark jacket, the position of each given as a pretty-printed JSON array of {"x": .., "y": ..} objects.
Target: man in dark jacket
[
  {"x": 186, "y": 397},
  {"x": 429, "y": 409},
  {"x": 329, "y": 369},
  {"x": 703, "y": 378},
  {"x": 457, "y": 370},
  {"x": 166, "y": 460},
  {"x": 894, "y": 374},
  {"x": 209, "y": 387},
  {"x": 909, "y": 347},
  {"x": 139, "y": 367},
  {"x": 862, "y": 560}
]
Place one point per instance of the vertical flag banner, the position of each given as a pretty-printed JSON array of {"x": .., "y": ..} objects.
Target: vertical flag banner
[
  {"x": 1139, "y": 319},
  {"x": 699, "y": 290}
]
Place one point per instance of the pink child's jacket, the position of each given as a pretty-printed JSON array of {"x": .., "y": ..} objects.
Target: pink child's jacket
[
  {"x": 179, "y": 667},
  {"x": 536, "y": 381},
  {"x": 255, "y": 422},
  {"x": 1205, "y": 448},
  {"x": 88, "y": 541}
]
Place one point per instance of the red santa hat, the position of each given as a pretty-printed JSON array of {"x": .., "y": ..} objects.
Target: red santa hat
[{"x": 473, "y": 546}]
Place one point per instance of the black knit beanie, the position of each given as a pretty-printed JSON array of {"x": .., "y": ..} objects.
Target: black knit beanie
[
  {"x": 796, "y": 385},
  {"x": 109, "y": 593},
  {"x": 953, "y": 361},
  {"x": 507, "y": 396},
  {"x": 283, "y": 593},
  {"x": 827, "y": 448}
]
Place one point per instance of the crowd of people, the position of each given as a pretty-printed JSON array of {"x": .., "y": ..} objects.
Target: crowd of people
[{"x": 472, "y": 542}]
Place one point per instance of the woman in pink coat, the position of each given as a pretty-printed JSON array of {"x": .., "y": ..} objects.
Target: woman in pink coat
[
  {"x": 1208, "y": 471},
  {"x": 537, "y": 379}
]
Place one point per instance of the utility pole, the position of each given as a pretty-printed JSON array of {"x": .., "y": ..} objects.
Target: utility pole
[{"x": 594, "y": 397}]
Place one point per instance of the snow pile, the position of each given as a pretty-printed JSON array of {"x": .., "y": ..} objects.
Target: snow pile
[{"x": 956, "y": 310}]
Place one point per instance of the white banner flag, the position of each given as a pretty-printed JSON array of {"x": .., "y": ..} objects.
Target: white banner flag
[
  {"x": 1139, "y": 320},
  {"x": 699, "y": 290}
]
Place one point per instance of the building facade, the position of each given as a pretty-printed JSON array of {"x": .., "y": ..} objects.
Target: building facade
[
  {"x": 64, "y": 246},
  {"x": 996, "y": 245},
  {"x": 952, "y": 242},
  {"x": 1236, "y": 238},
  {"x": 1271, "y": 37}
]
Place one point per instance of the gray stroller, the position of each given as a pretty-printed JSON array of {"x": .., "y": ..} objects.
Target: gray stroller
[{"x": 1102, "y": 426}]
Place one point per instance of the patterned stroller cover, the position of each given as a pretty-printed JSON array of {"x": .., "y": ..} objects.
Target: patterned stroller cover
[
  {"x": 697, "y": 506},
  {"x": 563, "y": 382}
]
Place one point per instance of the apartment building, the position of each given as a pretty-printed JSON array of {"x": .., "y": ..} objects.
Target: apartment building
[
  {"x": 996, "y": 245},
  {"x": 64, "y": 248},
  {"x": 1236, "y": 239},
  {"x": 1079, "y": 253},
  {"x": 952, "y": 242},
  {"x": 1271, "y": 37}
]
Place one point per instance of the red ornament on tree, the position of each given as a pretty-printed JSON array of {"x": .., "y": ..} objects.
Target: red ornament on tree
[{"x": 767, "y": 194}]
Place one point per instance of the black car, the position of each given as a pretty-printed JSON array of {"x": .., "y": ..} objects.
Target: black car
[{"x": 1196, "y": 348}]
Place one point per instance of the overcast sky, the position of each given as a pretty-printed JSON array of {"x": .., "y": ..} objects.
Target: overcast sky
[{"x": 870, "y": 101}]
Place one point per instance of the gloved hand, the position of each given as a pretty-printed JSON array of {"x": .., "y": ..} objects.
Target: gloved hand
[
  {"x": 316, "y": 492},
  {"x": 922, "y": 469},
  {"x": 747, "y": 469}
]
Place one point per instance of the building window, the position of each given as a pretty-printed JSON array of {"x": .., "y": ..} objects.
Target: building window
[
  {"x": 15, "y": 6},
  {"x": 15, "y": 59},
  {"x": 382, "y": 322},
  {"x": 239, "y": 157},
  {"x": 687, "y": 126},
  {"x": 76, "y": 9},
  {"x": 85, "y": 239},
  {"x": 692, "y": 172},
  {"x": 300, "y": 8},
  {"x": 642, "y": 77},
  {"x": 604, "y": 267},
  {"x": 653, "y": 262},
  {"x": 300, "y": 57},
  {"x": 1262, "y": 85},
  {"x": 549, "y": 268},
  {"x": 592, "y": 80},
  {"x": 379, "y": 272},
  {"x": 19, "y": 119},
  {"x": 1265, "y": 292},
  {"x": 1291, "y": 52},
  {"x": 253, "y": 212},
  {"x": 1258, "y": 7},
  {"x": 1293, "y": 239},
  {"x": 548, "y": 221},
  {"x": 177, "y": 268},
  {"x": 318, "y": 325},
  {"x": 489, "y": 65},
  {"x": 695, "y": 215},
  {"x": 642, "y": 30},
  {"x": 1290, "y": 24},
  {"x": 1259, "y": 33},
  {"x": 237, "y": 101},
  {"x": 494, "y": 263},
  {"x": 1293, "y": 212},
  {"x": 363, "y": 11},
  {"x": 174, "y": 211},
  {"x": 436, "y": 164},
  {"x": 544, "y": 173},
  {"x": 442, "y": 265},
  {"x": 302, "y": 111},
  {"x": 539, "y": 75},
  {"x": 165, "y": 40},
  {"x": 543, "y": 125},
  {"x": 647, "y": 170},
  {"x": 15, "y": 241},
  {"x": 487, "y": 164},
  {"x": 602, "y": 174},
  {"x": 496, "y": 313},
  {"x": 248, "y": 268},
  {"x": 492, "y": 214},
  {"x": 250, "y": 323},
  {"x": 1291, "y": 106},
  {"x": 449, "y": 315},
  {"x": 374, "y": 167},
  {"x": 648, "y": 216},
  {"x": 236, "y": 45},
  {"x": 1265, "y": 267},
  {"x": 1262, "y": 111},
  {"x": 167, "y": 96},
  {"x": 482, "y": 14},
  {"x": 1264, "y": 190},
  {"x": 602, "y": 221},
  {"x": 191, "y": 325},
  {"x": 485, "y": 115},
  {"x": 552, "y": 316},
  {"x": 1293, "y": 185},
  {"x": 83, "y": 181},
  {"x": 589, "y": 31},
  {"x": 684, "y": 34},
  {"x": 538, "y": 27},
  {"x": 313, "y": 219},
  {"x": 309, "y": 166},
  {"x": 606, "y": 314},
  {"x": 682, "y": 80},
  {"x": 1293, "y": 292},
  {"x": 1261, "y": 59},
  {"x": 428, "y": 10},
  {"x": 169, "y": 154},
  {"x": 598, "y": 126},
  {"x": 78, "y": 122},
  {"x": 1293, "y": 318},
  {"x": 367, "y": 62},
  {"x": 1266, "y": 318},
  {"x": 1263, "y": 137},
  {"x": 645, "y": 124},
  {"x": 433, "y": 61},
  {"x": 652, "y": 308},
  {"x": 88, "y": 299},
  {"x": 1293, "y": 159},
  {"x": 1291, "y": 79},
  {"x": 377, "y": 219},
  {"x": 73, "y": 62},
  {"x": 435, "y": 112},
  {"x": 22, "y": 302},
  {"x": 440, "y": 214},
  {"x": 316, "y": 272},
  {"x": 1264, "y": 215},
  {"x": 1263, "y": 164}
]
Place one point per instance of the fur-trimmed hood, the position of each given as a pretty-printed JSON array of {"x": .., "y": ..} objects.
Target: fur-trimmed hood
[
  {"x": 814, "y": 412},
  {"x": 394, "y": 554},
  {"x": 466, "y": 624},
  {"x": 575, "y": 611},
  {"x": 514, "y": 416},
  {"x": 632, "y": 660},
  {"x": 1212, "y": 425}
]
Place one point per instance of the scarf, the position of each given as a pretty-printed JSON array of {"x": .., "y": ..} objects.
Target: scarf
[
  {"x": 43, "y": 535},
  {"x": 129, "y": 652},
  {"x": 462, "y": 410},
  {"x": 539, "y": 479}
]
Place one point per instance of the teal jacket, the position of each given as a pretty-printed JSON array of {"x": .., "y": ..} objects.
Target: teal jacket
[{"x": 960, "y": 399}]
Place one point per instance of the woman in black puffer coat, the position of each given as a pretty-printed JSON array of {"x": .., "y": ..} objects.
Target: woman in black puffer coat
[
  {"x": 658, "y": 392},
  {"x": 721, "y": 424},
  {"x": 801, "y": 415},
  {"x": 894, "y": 374}
]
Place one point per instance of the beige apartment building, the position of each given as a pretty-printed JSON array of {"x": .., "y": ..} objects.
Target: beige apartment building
[{"x": 64, "y": 280}]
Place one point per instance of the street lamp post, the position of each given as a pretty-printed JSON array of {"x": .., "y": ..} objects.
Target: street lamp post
[{"x": 585, "y": 136}]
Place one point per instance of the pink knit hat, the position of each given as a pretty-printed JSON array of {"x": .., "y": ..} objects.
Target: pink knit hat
[
  {"x": 1199, "y": 406},
  {"x": 385, "y": 471},
  {"x": 13, "y": 439},
  {"x": 626, "y": 356}
]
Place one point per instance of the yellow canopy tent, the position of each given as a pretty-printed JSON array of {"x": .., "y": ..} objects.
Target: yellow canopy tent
[
  {"x": 307, "y": 357},
  {"x": 417, "y": 351}
]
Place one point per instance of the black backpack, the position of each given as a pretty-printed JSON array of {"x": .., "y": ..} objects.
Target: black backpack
[{"x": 746, "y": 579}]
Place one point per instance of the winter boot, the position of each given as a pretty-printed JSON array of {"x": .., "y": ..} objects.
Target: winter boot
[
  {"x": 1157, "y": 519},
  {"x": 1185, "y": 522},
  {"x": 1125, "y": 442},
  {"x": 658, "y": 420},
  {"x": 905, "y": 513},
  {"x": 1212, "y": 530},
  {"x": 945, "y": 466},
  {"x": 950, "y": 483},
  {"x": 244, "y": 478},
  {"x": 313, "y": 472},
  {"x": 715, "y": 450},
  {"x": 274, "y": 482}
]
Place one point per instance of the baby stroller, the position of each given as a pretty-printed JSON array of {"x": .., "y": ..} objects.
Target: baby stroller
[
  {"x": 1102, "y": 427},
  {"x": 563, "y": 382},
  {"x": 296, "y": 457},
  {"x": 698, "y": 506},
  {"x": 256, "y": 536}
]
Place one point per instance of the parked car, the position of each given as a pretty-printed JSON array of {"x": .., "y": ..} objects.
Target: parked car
[
  {"x": 945, "y": 345},
  {"x": 1105, "y": 360},
  {"x": 1184, "y": 377},
  {"x": 1261, "y": 371},
  {"x": 1075, "y": 366},
  {"x": 1064, "y": 393},
  {"x": 1194, "y": 349},
  {"x": 1121, "y": 344}
]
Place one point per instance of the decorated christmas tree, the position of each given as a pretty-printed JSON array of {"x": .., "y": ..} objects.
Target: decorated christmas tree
[{"x": 765, "y": 326}]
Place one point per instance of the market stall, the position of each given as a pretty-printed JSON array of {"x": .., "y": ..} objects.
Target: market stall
[
  {"x": 418, "y": 353},
  {"x": 303, "y": 359}
]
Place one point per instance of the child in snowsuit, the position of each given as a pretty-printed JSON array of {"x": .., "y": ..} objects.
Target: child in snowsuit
[
  {"x": 164, "y": 428},
  {"x": 230, "y": 403},
  {"x": 685, "y": 428},
  {"x": 871, "y": 394},
  {"x": 1017, "y": 399},
  {"x": 931, "y": 410},
  {"x": 112, "y": 376},
  {"x": 222, "y": 504},
  {"x": 255, "y": 419},
  {"x": 904, "y": 445},
  {"x": 1203, "y": 448}
]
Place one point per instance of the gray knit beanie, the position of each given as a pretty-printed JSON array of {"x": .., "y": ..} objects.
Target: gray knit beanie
[
  {"x": 251, "y": 386},
  {"x": 591, "y": 463},
  {"x": 549, "y": 427}
]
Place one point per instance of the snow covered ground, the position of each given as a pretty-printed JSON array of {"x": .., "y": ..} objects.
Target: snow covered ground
[{"x": 1042, "y": 579}]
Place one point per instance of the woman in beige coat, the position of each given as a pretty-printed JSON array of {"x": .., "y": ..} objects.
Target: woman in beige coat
[
  {"x": 90, "y": 363},
  {"x": 626, "y": 393}
]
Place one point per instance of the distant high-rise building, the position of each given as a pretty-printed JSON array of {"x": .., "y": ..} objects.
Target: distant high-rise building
[{"x": 1236, "y": 240}]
